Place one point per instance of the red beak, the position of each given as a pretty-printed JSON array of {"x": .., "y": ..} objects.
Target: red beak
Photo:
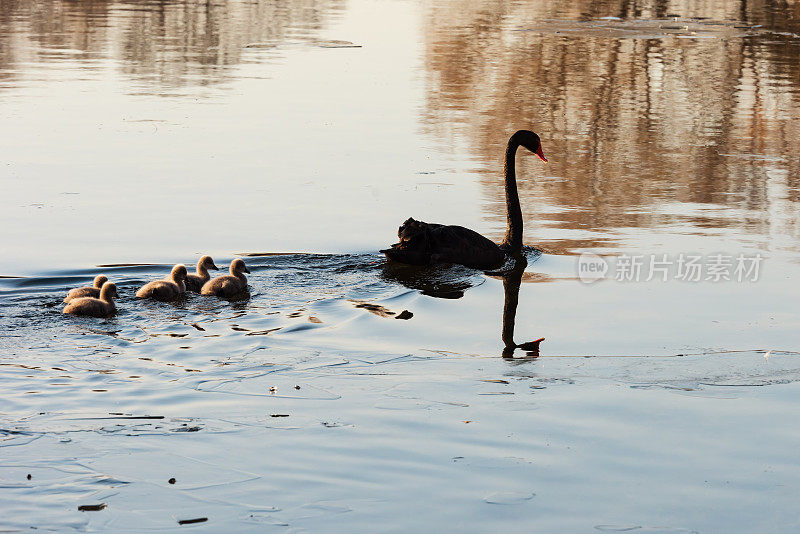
[{"x": 541, "y": 154}]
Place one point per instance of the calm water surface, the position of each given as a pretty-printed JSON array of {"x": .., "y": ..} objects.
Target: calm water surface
[{"x": 141, "y": 134}]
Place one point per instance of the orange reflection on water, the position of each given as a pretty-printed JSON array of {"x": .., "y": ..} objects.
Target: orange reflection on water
[{"x": 662, "y": 116}]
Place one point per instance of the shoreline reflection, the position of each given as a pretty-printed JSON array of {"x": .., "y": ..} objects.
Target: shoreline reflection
[
  {"x": 657, "y": 117},
  {"x": 160, "y": 44}
]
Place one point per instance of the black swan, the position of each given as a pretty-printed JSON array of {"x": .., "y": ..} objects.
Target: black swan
[
  {"x": 229, "y": 285},
  {"x": 87, "y": 291},
  {"x": 167, "y": 289},
  {"x": 92, "y": 307},
  {"x": 424, "y": 243},
  {"x": 194, "y": 282}
]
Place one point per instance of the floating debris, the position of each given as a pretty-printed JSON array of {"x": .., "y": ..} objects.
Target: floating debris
[
  {"x": 260, "y": 45},
  {"x": 261, "y": 332},
  {"x": 377, "y": 309},
  {"x": 509, "y": 497},
  {"x": 333, "y": 43},
  {"x": 190, "y": 521},
  {"x": 91, "y": 507},
  {"x": 335, "y": 424},
  {"x": 122, "y": 417}
]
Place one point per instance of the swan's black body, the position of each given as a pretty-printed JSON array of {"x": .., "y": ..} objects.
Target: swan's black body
[{"x": 424, "y": 243}]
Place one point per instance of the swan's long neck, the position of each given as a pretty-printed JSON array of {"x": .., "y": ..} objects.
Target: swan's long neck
[
  {"x": 202, "y": 272},
  {"x": 512, "y": 243}
]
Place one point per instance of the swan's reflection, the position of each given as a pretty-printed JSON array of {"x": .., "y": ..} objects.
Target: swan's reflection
[
  {"x": 451, "y": 282},
  {"x": 512, "y": 280},
  {"x": 441, "y": 281}
]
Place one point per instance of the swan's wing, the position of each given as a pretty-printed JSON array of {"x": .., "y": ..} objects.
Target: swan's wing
[
  {"x": 456, "y": 244},
  {"x": 79, "y": 292},
  {"x": 159, "y": 290},
  {"x": 89, "y": 307},
  {"x": 219, "y": 286}
]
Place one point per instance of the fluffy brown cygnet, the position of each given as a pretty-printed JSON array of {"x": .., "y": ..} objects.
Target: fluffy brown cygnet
[
  {"x": 92, "y": 307},
  {"x": 167, "y": 289},
  {"x": 229, "y": 285},
  {"x": 194, "y": 282},
  {"x": 87, "y": 291}
]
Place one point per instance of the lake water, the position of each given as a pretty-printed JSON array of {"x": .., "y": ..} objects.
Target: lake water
[{"x": 298, "y": 135}]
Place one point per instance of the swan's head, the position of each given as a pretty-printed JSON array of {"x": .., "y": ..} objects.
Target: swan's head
[
  {"x": 99, "y": 280},
  {"x": 108, "y": 291},
  {"x": 529, "y": 140},
  {"x": 238, "y": 266},
  {"x": 206, "y": 262},
  {"x": 179, "y": 273}
]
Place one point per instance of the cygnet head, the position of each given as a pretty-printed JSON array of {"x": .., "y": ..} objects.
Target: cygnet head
[
  {"x": 99, "y": 280},
  {"x": 179, "y": 273},
  {"x": 206, "y": 262},
  {"x": 238, "y": 266},
  {"x": 108, "y": 291}
]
